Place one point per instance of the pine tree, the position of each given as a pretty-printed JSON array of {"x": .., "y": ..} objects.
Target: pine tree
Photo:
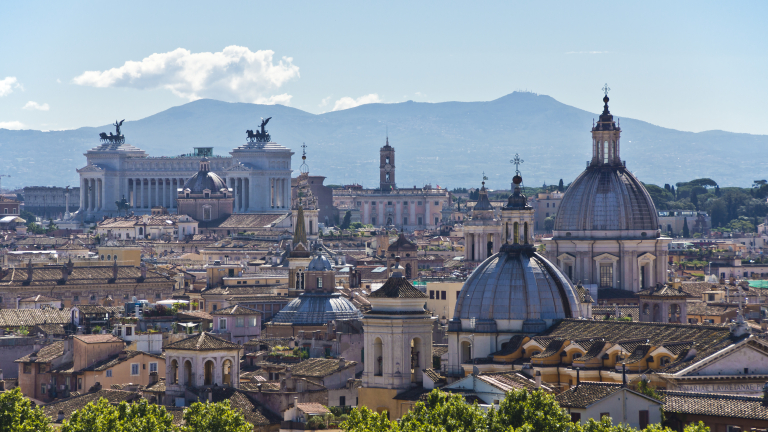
[
  {"x": 560, "y": 186},
  {"x": 686, "y": 233}
]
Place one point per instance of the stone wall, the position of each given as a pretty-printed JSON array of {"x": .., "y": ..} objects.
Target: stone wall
[
  {"x": 48, "y": 202},
  {"x": 12, "y": 348}
]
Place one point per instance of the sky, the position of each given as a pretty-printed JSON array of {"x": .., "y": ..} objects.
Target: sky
[{"x": 691, "y": 66}]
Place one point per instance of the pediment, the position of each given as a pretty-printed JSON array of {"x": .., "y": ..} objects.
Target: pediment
[
  {"x": 90, "y": 168},
  {"x": 606, "y": 257},
  {"x": 750, "y": 355},
  {"x": 646, "y": 257},
  {"x": 566, "y": 257},
  {"x": 238, "y": 167}
]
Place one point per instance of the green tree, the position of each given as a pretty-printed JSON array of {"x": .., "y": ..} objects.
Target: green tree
[
  {"x": 549, "y": 223},
  {"x": 537, "y": 410},
  {"x": 364, "y": 420},
  {"x": 560, "y": 186},
  {"x": 443, "y": 411},
  {"x": 347, "y": 218},
  {"x": 214, "y": 417},
  {"x": 718, "y": 213},
  {"x": 686, "y": 233},
  {"x": 17, "y": 414},
  {"x": 695, "y": 199},
  {"x": 102, "y": 416}
]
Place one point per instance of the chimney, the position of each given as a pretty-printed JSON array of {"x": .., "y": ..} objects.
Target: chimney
[
  {"x": 123, "y": 355},
  {"x": 342, "y": 363},
  {"x": 623, "y": 374},
  {"x": 60, "y": 417},
  {"x": 70, "y": 265},
  {"x": 143, "y": 270},
  {"x": 258, "y": 386},
  {"x": 114, "y": 270},
  {"x": 29, "y": 272},
  {"x": 537, "y": 379},
  {"x": 578, "y": 376},
  {"x": 64, "y": 273},
  {"x": 152, "y": 378}
]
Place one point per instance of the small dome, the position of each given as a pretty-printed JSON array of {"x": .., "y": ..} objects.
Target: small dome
[
  {"x": 205, "y": 179},
  {"x": 319, "y": 263},
  {"x": 606, "y": 198},
  {"x": 317, "y": 309},
  {"x": 516, "y": 284}
]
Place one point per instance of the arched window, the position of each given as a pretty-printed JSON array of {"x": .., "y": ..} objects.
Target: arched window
[
  {"x": 141, "y": 231},
  {"x": 466, "y": 352},
  {"x": 576, "y": 356},
  {"x": 525, "y": 232},
  {"x": 226, "y": 372},
  {"x": 516, "y": 233},
  {"x": 174, "y": 372},
  {"x": 416, "y": 360},
  {"x": 378, "y": 359},
  {"x": 208, "y": 373},
  {"x": 188, "y": 373}
]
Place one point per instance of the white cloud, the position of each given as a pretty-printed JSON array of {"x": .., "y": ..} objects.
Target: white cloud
[
  {"x": 234, "y": 74},
  {"x": 31, "y": 105},
  {"x": 12, "y": 125},
  {"x": 325, "y": 102},
  {"x": 58, "y": 80},
  {"x": 8, "y": 84},
  {"x": 348, "y": 102}
]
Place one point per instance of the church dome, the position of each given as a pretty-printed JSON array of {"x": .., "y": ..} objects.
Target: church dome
[
  {"x": 317, "y": 309},
  {"x": 320, "y": 263},
  {"x": 205, "y": 179},
  {"x": 516, "y": 284},
  {"x": 606, "y": 198}
]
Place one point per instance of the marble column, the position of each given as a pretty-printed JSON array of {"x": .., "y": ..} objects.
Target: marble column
[{"x": 82, "y": 195}]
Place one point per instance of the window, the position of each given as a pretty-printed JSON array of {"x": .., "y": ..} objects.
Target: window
[
  {"x": 437, "y": 203},
  {"x": 214, "y": 308},
  {"x": 27, "y": 368},
  {"x": 710, "y": 297},
  {"x": 79, "y": 383},
  {"x": 358, "y": 203},
  {"x": 431, "y": 294},
  {"x": 109, "y": 257},
  {"x": 373, "y": 202},
  {"x": 42, "y": 388},
  {"x": 152, "y": 367},
  {"x": 405, "y": 221},
  {"x": 606, "y": 276},
  {"x": 129, "y": 331},
  {"x": 342, "y": 400},
  {"x": 419, "y": 203},
  {"x": 102, "y": 257},
  {"x": 421, "y": 221},
  {"x": 643, "y": 417},
  {"x": 457, "y": 294},
  {"x": 442, "y": 295},
  {"x": 93, "y": 297},
  {"x": 253, "y": 321},
  {"x": 222, "y": 323},
  {"x": 605, "y": 414},
  {"x": 389, "y": 202},
  {"x": 373, "y": 221},
  {"x": 206, "y": 213},
  {"x": 75, "y": 298},
  {"x": 240, "y": 322},
  {"x": 109, "y": 373},
  {"x": 134, "y": 368},
  {"x": 575, "y": 417},
  {"x": 157, "y": 295},
  {"x": 547, "y": 205}
]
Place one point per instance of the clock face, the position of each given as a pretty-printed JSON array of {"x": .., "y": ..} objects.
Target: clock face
[{"x": 388, "y": 167}]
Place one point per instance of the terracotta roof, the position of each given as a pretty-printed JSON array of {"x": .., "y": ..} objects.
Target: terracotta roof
[
  {"x": 508, "y": 381},
  {"x": 236, "y": 310},
  {"x": 319, "y": 368},
  {"x": 50, "y": 329},
  {"x": 397, "y": 287},
  {"x": 98, "y": 338},
  {"x": 435, "y": 376},
  {"x": 91, "y": 309},
  {"x": 312, "y": 408},
  {"x": 32, "y": 317},
  {"x": 241, "y": 290},
  {"x": 594, "y": 350},
  {"x": 552, "y": 348},
  {"x": 586, "y": 394},
  {"x": 139, "y": 220},
  {"x": 624, "y": 311},
  {"x": 706, "y": 339},
  {"x": 196, "y": 314},
  {"x": 39, "y": 298},
  {"x": 74, "y": 403},
  {"x": 203, "y": 342},
  {"x": 97, "y": 275},
  {"x": 638, "y": 354},
  {"x": 439, "y": 350},
  {"x": 401, "y": 244},
  {"x": 158, "y": 387},
  {"x": 714, "y": 404},
  {"x": 696, "y": 289},
  {"x": 711, "y": 309},
  {"x": 44, "y": 354},
  {"x": 253, "y": 412},
  {"x": 511, "y": 346},
  {"x": 269, "y": 342}
]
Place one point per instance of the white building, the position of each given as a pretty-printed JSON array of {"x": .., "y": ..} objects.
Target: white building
[{"x": 259, "y": 173}]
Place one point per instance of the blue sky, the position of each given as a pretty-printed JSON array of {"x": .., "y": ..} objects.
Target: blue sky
[{"x": 685, "y": 65}]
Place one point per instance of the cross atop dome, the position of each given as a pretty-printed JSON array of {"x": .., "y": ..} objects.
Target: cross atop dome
[{"x": 304, "y": 168}]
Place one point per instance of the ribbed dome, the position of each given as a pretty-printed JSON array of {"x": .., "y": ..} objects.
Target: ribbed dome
[
  {"x": 516, "y": 284},
  {"x": 319, "y": 263},
  {"x": 205, "y": 179},
  {"x": 317, "y": 309},
  {"x": 606, "y": 198}
]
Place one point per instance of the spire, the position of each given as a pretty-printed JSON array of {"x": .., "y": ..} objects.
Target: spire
[
  {"x": 300, "y": 234},
  {"x": 605, "y": 138}
]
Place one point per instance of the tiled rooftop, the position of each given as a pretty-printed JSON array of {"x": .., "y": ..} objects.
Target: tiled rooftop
[
  {"x": 74, "y": 403},
  {"x": 44, "y": 354},
  {"x": 397, "y": 287},
  {"x": 713, "y": 404},
  {"x": 203, "y": 342},
  {"x": 319, "y": 368}
]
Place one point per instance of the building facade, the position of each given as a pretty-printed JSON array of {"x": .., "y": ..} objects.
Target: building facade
[
  {"x": 49, "y": 202},
  {"x": 259, "y": 174},
  {"x": 405, "y": 209}
]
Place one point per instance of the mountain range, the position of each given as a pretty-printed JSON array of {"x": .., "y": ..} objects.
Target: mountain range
[{"x": 450, "y": 144}]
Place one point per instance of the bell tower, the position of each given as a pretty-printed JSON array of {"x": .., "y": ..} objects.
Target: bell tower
[
  {"x": 517, "y": 215},
  {"x": 387, "y": 168}
]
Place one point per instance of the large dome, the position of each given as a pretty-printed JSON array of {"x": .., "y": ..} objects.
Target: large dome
[
  {"x": 606, "y": 198},
  {"x": 317, "y": 309},
  {"x": 205, "y": 179},
  {"x": 516, "y": 284}
]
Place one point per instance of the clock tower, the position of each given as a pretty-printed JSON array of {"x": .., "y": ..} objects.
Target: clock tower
[{"x": 387, "y": 168}]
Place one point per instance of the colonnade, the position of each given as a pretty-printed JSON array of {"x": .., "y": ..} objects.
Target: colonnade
[
  {"x": 240, "y": 187},
  {"x": 91, "y": 194},
  {"x": 145, "y": 193},
  {"x": 279, "y": 192}
]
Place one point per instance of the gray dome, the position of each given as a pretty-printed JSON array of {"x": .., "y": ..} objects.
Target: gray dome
[
  {"x": 516, "y": 284},
  {"x": 319, "y": 263},
  {"x": 606, "y": 198},
  {"x": 317, "y": 309},
  {"x": 205, "y": 179}
]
